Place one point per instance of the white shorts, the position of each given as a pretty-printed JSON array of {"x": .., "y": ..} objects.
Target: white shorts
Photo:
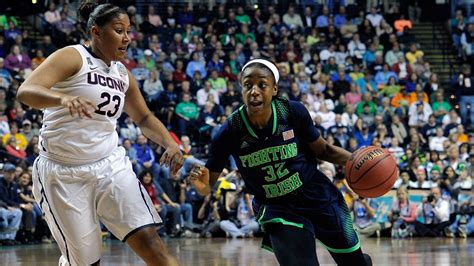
[{"x": 76, "y": 198}]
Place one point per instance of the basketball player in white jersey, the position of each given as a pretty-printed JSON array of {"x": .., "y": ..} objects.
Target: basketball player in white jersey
[{"x": 82, "y": 177}]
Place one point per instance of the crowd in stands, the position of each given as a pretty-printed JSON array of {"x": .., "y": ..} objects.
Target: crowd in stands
[{"x": 360, "y": 73}]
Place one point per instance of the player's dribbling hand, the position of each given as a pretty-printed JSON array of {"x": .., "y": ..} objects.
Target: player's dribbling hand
[
  {"x": 199, "y": 177},
  {"x": 173, "y": 158},
  {"x": 78, "y": 105}
]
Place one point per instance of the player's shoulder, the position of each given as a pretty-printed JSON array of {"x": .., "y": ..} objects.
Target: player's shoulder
[
  {"x": 70, "y": 52},
  {"x": 297, "y": 107}
]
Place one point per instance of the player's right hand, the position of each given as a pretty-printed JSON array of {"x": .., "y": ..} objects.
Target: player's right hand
[
  {"x": 199, "y": 177},
  {"x": 78, "y": 106}
]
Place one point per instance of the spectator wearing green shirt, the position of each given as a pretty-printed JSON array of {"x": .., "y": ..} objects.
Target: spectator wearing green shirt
[
  {"x": 149, "y": 60},
  {"x": 241, "y": 17},
  {"x": 440, "y": 106},
  {"x": 187, "y": 113},
  {"x": 366, "y": 100},
  {"x": 391, "y": 88},
  {"x": 244, "y": 36},
  {"x": 218, "y": 83}
]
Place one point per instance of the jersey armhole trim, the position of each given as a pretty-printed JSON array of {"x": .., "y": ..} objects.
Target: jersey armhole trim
[{"x": 77, "y": 49}]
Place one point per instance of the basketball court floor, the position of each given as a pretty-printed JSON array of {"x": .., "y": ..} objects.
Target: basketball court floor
[{"x": 229, "y": 252}]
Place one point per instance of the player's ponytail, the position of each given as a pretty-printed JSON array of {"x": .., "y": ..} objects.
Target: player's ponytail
[{"x": 90, "y": 13}]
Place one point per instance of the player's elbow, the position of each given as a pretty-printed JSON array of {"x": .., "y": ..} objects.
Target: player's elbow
[{"x": 21, "y": 95}]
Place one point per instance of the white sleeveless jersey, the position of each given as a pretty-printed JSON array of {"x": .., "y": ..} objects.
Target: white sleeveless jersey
[{"x": 73, "y": 140}]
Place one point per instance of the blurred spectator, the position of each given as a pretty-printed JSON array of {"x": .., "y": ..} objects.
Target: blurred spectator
[
  {"x": 6, "y": 78},
  {"x": 231, "y": 97},
  {"x": 9, "y": 193},
  {"x": 132, "y": 154},
  {"x": 152, "y": 86},
  {"x": 19, "y": 138},
  {"x": 403, "y": 179},
  {"x": 382, "y": 77},
  {"x": 390, "y": 88},
  {"x": 403, "y": 70},
  {"x": 374, "y": 18},
  {"x": 64, "y": 25},
  {"x": 421, "y": 180},
  {"x": 465, "y": 90},
  {"x": 146, "y": 157},
  {"x": 356, "y": 48},
  {"x": 130, "y": 131},
  {"x": 175, "y": 189},
  {"x": 202, "y": 94},
  {"x": 52, "y": 14},
  {"x": 349, "y": 117},
  {"x": 393, "y": 55},
  {"x": 47, "y": 46},
  {"x": 419, "y": 112},
  {"x": 141, "y": 73},
  {"x": 440, "y": 106},
  {"x": 12, "y": 32},
  {"x": 292, "y": 19},
  {"x": 322, "y": 21},
  {"x": 435, "y": 212},
  {"x": 218, "y": 83},
  {"x": 398, "y": 129},
  {"x": 402, "y": 215},
  {"x": 196, "y": 65},
  {"x": 236, "y": 218},
  {"x": 364, "y": 214},
  {"x": 366, "y": 84},
  {"x": 187, "y": 113},
  {"x": 414, "y": 54},
  {"x": 402, "y": 23},
  {"x": 364, "y": 137},
  {"x": 429, "y": 129},
  {"x": 467, "y": 41},
  {"x": 17, "y": 60},
  {"x": 397, "y": 152},
  {"x": 28, "y": 131},
  {"x": 308, "y": 19}
]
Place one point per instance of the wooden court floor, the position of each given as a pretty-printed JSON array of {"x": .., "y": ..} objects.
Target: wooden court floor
[{"x": 229, "y": 252}]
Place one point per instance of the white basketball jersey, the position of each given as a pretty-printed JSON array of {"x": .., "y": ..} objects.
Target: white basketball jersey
[{"x": 73, "y": 140}]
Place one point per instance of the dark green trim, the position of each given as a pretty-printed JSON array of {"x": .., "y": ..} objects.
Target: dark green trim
[
  {"x": 267, "y": 247},
  {"x": 274, "y": 118},
  {"x": 281, "y": 221},
  {"x": 342, "y": 250},
  {"x": 277, "y": 220},
  {"x": 263, "y": 214},
  {"x": 246, "y": 122}
]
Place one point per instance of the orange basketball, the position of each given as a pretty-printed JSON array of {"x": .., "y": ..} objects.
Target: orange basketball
[{"x": 371, "y": 171}]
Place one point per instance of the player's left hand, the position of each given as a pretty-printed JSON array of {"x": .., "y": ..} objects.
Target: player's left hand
[{"x": 173, "y": 158}]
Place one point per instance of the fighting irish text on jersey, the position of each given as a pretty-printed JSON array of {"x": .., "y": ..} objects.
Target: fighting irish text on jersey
[{"x": 273, "y": 161}]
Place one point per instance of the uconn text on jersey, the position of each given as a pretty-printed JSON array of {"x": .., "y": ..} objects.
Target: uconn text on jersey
[{"x": 95, "y": 78}]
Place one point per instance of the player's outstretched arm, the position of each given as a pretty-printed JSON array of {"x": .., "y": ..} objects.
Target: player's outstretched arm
[
  {"x": 203, "y": 179},
  {"x": 328, "y": 152},
  {"x": 152, "y": 128},
  {"x": 36, "y": 90}
]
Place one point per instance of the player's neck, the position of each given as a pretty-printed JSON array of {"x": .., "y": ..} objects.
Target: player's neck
[
  {"x": 98, "y": 52},
  {"x": 260, "y": 119}
]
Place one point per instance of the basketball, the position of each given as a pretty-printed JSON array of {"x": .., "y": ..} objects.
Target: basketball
[{"x": 371, "y": 171}]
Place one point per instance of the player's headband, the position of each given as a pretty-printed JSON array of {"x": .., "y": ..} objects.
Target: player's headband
[{"x": 266, "y": 63}]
